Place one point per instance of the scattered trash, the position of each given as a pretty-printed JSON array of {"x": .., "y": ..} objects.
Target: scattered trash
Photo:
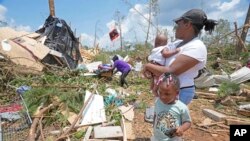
[
  {"x": 16, "y": 120},
  {"x": 10, "y": 116},
  {"x": 111, "y": 99},
  {"x": 213, "y": 89},
  {"x": 14, "y": 107},
  {"x": 22, "y": 89},
  {"x": 5, "y": 45}
]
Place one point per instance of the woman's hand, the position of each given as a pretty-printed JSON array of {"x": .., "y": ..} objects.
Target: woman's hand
[{"x": 146, "y": 73}]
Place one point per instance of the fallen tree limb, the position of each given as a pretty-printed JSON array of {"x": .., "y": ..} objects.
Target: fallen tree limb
[
  {"x": 31, "y": 136},
  {"x": 41, "y": 128}
]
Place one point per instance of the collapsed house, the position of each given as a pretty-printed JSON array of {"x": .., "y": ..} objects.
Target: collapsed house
[{"x": 53, "y": 44}]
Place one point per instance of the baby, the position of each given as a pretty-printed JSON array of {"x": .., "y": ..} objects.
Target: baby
[{"x": 158, "y": 55}]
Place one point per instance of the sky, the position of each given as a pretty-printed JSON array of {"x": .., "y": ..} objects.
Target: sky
[{"x": 88, "y": 17}]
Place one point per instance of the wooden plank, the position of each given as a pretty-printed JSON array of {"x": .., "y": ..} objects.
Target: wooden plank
[
  {"x": 70, "y": 116},
  {"x": 17, "y": 54},
  {"x": 102, "y": 140},
  {"x": 88, "y": 133},
  {"x": 9, "y": 33},
  {"x": 33, "y": 35},
  {"x": 39, "y": 50},
  {"x": 127, "y": 112},
  {"x": 210, "y": 124},
  {"x": 237, "y": 122},
  {"x": 94, "y": 112},
  {"x": 123, "y": 125},
  {"x": 108, "y": 132},
  {"x": 21, "y": 56},
  {"x": 129, "y": 131},
  {"x": 206, "y": 95},
  {"x": 56, "y": 53},
  {"x": 216, "y": 116},
  {"x": 243, "y": 112},
  {"x": 223, "y": 126}
]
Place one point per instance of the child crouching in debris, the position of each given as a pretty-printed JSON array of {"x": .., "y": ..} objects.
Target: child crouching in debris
[
  {"x": 123, "y": 67},
  {"x": 171, "y": 117}
]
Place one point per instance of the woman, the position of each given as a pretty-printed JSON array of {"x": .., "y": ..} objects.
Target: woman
[
  {"x": 192, "y": 55},
  {"x": 123, "y": 67}
]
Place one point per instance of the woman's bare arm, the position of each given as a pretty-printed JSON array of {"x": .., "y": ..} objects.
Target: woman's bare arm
[{"x": 181, "y": 64}]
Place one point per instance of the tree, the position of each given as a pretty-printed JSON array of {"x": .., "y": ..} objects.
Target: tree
[
  {"x": 222, "y": 28},
  {"x": 119, "y": 19},
  {"x": 153, "y": 11},
  {"x": 52, "y": 8},
  {"x": 239, "y": 46}
]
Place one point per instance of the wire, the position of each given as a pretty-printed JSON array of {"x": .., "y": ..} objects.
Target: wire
[{"x": 126, "y": 1}]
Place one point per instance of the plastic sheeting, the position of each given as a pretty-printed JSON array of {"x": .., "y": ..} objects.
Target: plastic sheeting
[{"x": 60, "y": 38}]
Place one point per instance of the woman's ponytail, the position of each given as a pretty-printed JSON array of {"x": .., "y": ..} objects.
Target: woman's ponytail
[{"x": 210, "y": 25}]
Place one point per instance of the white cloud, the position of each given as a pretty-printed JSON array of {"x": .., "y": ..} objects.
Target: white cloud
[
  {"x": 225, "y": 6},
  {"x": 134, "y": 26},
  {"x": 2, "y": 12},
  {"x": 87, "y": 39},
  {"x": 11, "y": 23},
  {"x": 23, "y": 28}
]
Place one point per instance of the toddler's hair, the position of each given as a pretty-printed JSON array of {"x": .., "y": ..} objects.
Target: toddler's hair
[{"x": 170, "y": 79}]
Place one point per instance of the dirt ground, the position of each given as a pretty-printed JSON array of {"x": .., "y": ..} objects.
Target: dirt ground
[{"x": 143, "y": 130}]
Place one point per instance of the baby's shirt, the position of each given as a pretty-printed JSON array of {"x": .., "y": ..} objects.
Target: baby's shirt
[{"x": 156, "y": 56}]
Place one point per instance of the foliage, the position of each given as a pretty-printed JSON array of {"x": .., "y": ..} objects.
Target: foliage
[
  {"x": 221, "y": 29},
  {"x": 79, "y": 134},
  {"x": 244, "y": 57},
  {"x": 228, "y": 88},
  {"x": 113, "y": 114},
  {"x": 142, "y": 105}
]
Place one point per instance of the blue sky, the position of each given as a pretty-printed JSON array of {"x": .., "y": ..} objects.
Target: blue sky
[{"x": 83, "y": 15}]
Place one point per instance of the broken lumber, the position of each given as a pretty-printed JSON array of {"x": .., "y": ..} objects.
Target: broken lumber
[
  {"x": 237, "y": 122},
  {"x": 239, "y": 98},
  {"x": 211, "y": 124},
  {"x": 243, "y": 112},
  {"x": 123, "y": 125},
  {"x": 69, "y": 115},
  {"x": 206, "y": 95},
  {"x": 214, "y": 96},
  {"x": 88, "y": 133},
  {"x": 245, "y": 92},
  {"x": 76, "y": 119},
  {"x": 223, "y": 126},
  {"x": 108, "y": 132}
]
